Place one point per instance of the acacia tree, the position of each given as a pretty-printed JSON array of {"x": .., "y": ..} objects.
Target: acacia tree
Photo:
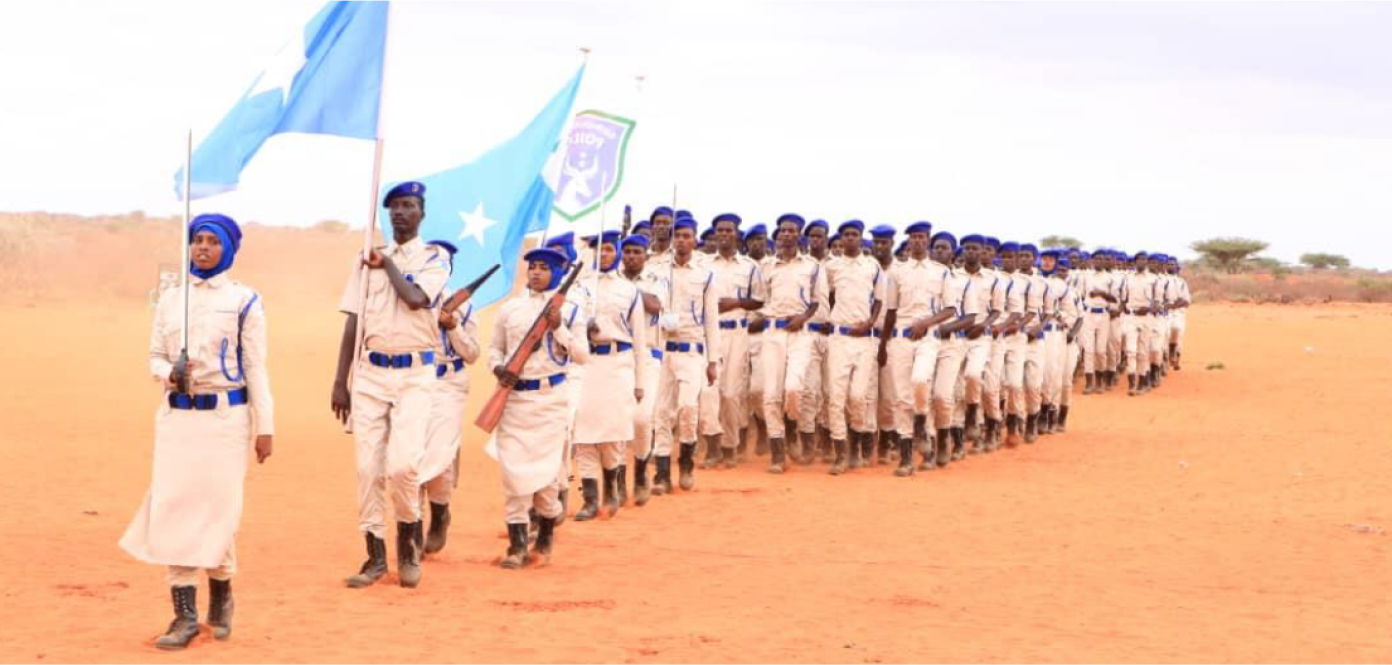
[
  {"x": 1228, "y": 254},
  {"x": 1324, "y": 261}
]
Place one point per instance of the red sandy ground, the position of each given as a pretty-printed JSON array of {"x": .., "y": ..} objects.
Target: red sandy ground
[{"x": 1235, "y": 515}]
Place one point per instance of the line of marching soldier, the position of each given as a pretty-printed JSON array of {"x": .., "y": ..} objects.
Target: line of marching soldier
[{"x": 808, "y": 344}]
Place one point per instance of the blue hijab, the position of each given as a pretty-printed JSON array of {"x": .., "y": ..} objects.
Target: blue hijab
[{"x": 227, "y": 232}]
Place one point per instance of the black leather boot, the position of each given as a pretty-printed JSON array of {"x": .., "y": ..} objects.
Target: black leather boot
[
  {"x": 906, "y": 455},
  {"x": 408, "y": 554},
  {"x": 1131, "y": 389},
  {"x": 641, "y": 493},
  {"x": 1087, "y": 384},
  {"x": 972, "y": 431},
  {"x": 439, "y": 527},
  {"x": 1031, "y": 428},
  {"x": 687, "y": 466},
  {"x": 184, "y": 627},
  {"x": 732, "y": 458},
  {"x": 1062, "y": 425},
  {"x": 517, "y": 543},
  {"x": 761, "y": 446},
  {"x": 611, "y": 492},
  {"x": 1044, "y": 419},
  {"x": 776, "y": 456},
  {"x": 1012, "y": 431},
  {"x": 376, "y": 565},
  {"x": 888, "y": 439},
  {"x": 942, "y": 448},
  {"x": 714, "y": 455},
  {"x": 825, "y": 445},
  {"x": 807, "y": 448},
  {"x": 546, "y": 537},
  {"x": 992, "y": 435},
  {"x": 621, "y": 484},
  {"x": 741, "y": 449},
  {"x": 589, "y": 490},
  {"x": 838, "y": 465},
  {"x": 959, "y": 444},
  {"x": 220, "y": 608},
  {"x": 662, "y": 475},
  {"x": 853, "y": 449},
  {"x": 867, "y": 448}
]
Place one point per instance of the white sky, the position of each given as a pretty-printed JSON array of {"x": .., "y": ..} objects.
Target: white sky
[{"x": 1140, "y": 125}]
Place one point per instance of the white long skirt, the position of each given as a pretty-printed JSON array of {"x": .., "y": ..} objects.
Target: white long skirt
[
  {"x": 194, "y": 505},
  {"x": 607, "y": 405}
]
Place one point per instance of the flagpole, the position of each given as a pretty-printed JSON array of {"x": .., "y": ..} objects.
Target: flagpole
[
  {"x": 599, "y": 244},
  {"x": 185, "y": 261},
  {"x": 379, "y": 144}
]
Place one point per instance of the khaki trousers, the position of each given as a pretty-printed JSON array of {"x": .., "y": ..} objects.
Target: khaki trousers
[
  {"x": 1055, "y": 363},
  {"x": 993, "y": 379},
  {"x": 913, "y": 364},
  {"x": 590, "y": 456},
  {"x": 391, "y": 412},
  {"x": 783, "y": 357},
  {"x": 443, "y": 434},
  {"x": 546, "y": 500},
  {"x": 812, "y": 406},
  {"x": 975, "y": 368},
  {"x": 678, "y": 398},
  {"x": 1016, "y": 348},
  {"x": 850, "y": 366},
  {"x": 952, "y": 353},
  {"x": 1135, "y": 341},
  {"x": 1093, "y": 340},
  {"x": 188, "y": 575},
  {"x": 1034, "y": 375}
]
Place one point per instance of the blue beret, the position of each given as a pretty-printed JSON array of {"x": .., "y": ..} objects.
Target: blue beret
[
  {"x": 710, "y": 231},
  {"x": 834, "y": 237},
  {"x": 566, "y": 238},
  {"x": 684, "y": 213},
  {"x": 920, "y": 227},
  {"x": 1139, "y": 255},
  {"x": 685, "y": 223},
  {"x": 883, "y": 231},
  {"x": 992, "y": 242},
  {"x": 902, "y": 246},
  {"x": 726, "y": 217},
  {"x": 445, "y": 245},
  {"x": 546, "y": 255},
  {"x": 856, "y": 224},
  {"x": 226, "y": 224},
  {"x": 974, "y": 238},
  {"x": 645, "y": 224},
  {"x": 1063, "y": 262},
  {"x": 792, "y": 218},
  {"x": 1027, "y": 247},
  {"x": 641, "y": 241},
  {"x": 756, "y": 230},
  {"x": 610, "y": 237},
  {"x": 1084, "y": 255},
  {"x": 1049, "y": 252},
  {"x": 660, "y": 210},
  {"x": 814, "y": 224},
  {"x": 1009, "y": 247},
  {"x": 866, "y": 244},
  {"x": 940, "y": 235},
  {"x": 1073, "y": 250},
  {"x": 404, "y": 189}
]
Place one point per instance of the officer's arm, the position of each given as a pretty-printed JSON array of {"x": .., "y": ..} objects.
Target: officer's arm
[
  {"x": 345, "y": 349},
  {"x": 409, "y": 293}
]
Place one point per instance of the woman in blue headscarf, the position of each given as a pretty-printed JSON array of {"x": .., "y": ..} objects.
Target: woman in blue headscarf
[{"x": 213, "y": 406}]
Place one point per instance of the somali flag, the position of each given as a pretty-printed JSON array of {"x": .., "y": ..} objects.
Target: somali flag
[
  {"x": 485, "y": 207},
  {"x": 326, "y": 80}
]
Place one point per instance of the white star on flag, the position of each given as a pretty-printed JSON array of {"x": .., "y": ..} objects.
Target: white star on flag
[
  {"x": 476, "y": 223},
  {"x": 280, "y": 73}
]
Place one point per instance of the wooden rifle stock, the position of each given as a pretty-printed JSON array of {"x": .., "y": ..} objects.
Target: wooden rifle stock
[{"x": 493, "y": 411}]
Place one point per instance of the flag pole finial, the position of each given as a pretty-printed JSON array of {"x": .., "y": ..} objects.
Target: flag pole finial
[{"x": 585, "y": 54}]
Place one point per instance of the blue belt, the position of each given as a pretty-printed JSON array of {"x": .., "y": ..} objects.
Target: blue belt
[
  {"x": 960, "y": 334},
  {"x": 781, "y": 323},
  {"x": 535, "y": 384},
  {"x": 1049, "y": 327},
  {"x": 186, "y": 402},
  {"x": 730, "y": 325},
  {"x": 846, "y": 330},
  {"x": 819, "y": 327},
  {"x": 901, "y": 332},
  {"x": 686, "y": 347},
  {"x": 606, "y": 349},
  {"x": 400, "y": 361},
  {"x": 441, "y": 370},
  {"x": 656, "y": 353},
  {"x": 1098, "y": 310}
]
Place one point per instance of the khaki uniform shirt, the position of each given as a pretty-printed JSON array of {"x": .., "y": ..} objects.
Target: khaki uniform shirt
[{"x": 389, "y": 325}]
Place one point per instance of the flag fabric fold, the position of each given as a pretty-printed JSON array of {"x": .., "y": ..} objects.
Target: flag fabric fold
[
  {"x": 486, "y": 207},
  {"x": 326, "y": 80}
]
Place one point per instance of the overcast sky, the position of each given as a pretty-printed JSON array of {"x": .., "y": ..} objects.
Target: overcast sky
[{"x": 1139, "y": 125}]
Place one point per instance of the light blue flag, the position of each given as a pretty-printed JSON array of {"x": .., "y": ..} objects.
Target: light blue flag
[
  {"x": 327, "y": 80},
  {"x": 485, "y": 207}
]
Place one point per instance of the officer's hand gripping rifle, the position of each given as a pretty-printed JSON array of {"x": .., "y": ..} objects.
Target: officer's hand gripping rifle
[{"x": 493, "y": 411}]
